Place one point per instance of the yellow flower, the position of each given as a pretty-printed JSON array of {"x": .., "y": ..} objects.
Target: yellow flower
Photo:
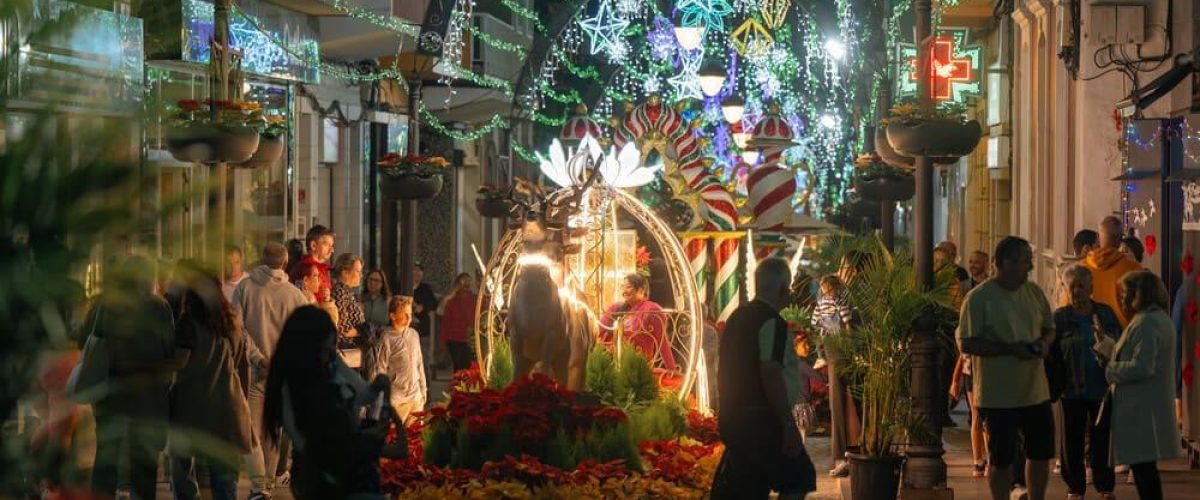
[{"x": 437, "y": 161}]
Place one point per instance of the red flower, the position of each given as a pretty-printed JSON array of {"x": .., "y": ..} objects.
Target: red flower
[
  {"x": 1187, "y": 264},
  {"x": 702, "y": 428},
  {"x": 1191, "y": 312},
  {"x": 643, "y": 256},
  {"x": 1151, "y": 244},
  {"x": 189, "y": 105}
]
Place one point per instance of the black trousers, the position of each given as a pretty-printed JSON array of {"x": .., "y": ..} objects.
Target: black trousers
[
  {"x": 1079, "y": 428},
  {"x": 1147, "y": 480},
  {"x": 460, "y": 354}
]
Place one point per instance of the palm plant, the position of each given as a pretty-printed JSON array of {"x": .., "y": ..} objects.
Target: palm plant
[{"x": 885, "y": 297}]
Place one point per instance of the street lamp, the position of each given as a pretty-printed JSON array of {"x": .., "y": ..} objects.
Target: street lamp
[
  {"x": 751, "y": 156},
  {"x": 712, "y": 78},
  {"x": 689, "y": 36},
  {"x": 828, "y": 121},
  {"x": 733, "y": 107}
]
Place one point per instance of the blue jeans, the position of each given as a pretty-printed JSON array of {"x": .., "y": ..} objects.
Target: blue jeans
[{"x": 222, "y": 478}]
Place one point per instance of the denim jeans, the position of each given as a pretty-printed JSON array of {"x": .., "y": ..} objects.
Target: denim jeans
[
  {"x": 136, "y": 442},
  {"x": 222, "y": 473},
  {"x": 264, "y": 456}
]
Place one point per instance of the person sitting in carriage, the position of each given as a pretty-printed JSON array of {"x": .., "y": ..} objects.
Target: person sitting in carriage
[{"x": 643, "y": 323}]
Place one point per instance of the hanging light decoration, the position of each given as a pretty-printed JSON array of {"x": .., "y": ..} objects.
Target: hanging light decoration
[
  {"x": 772, "y": 131},
  {"x": 751, "y": 156},
  {"x": 689, "y": 37},
  {"x": 774, "y": 12},
  {"x": 579, "y": 126},
  {"x": 733, "y": 107},
  {"x": 712, "y": 78}
]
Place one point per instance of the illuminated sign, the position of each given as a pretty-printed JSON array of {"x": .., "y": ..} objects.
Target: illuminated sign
[{"x": 955, "y": 67}]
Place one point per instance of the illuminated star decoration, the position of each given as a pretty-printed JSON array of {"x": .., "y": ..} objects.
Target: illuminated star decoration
[
  {"x": 604, "y": 30},
  {"x": 751, "y": 39},
  {"x": 687, "y": 81},
  {"x": 708, "y": 13},
  {"x": 774, "y": 12}
]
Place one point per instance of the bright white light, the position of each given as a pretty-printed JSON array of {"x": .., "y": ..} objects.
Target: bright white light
[
  {"x": 741, "y": 139},
  {"x": 829, "y": 121},
  {"x": 835, "y": 49},
  {"x": 733, "y": 108},
  {"x": 711, "y": 83},
  {"x": 534, "y": 259},
  {"x": 751, "y": 156},
  {"x": 689, "y": 36}
]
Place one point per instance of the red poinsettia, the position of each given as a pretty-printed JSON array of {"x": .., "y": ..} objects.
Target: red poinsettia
[
  {"x": 702, "y": 428},
  {"x": 1151, "y": 244},
  {"x": 470, "y": 377},
  {"x": 1187, "y": 264}
]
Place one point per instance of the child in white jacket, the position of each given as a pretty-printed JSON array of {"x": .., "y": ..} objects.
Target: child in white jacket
[{"x": 402, "y": 360}]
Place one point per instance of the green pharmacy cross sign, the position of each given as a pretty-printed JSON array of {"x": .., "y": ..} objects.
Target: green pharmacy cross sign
[{"x": 956, "y": 67}]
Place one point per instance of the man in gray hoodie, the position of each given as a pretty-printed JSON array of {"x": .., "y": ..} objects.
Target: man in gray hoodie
[{"x": 265, "y": 300}]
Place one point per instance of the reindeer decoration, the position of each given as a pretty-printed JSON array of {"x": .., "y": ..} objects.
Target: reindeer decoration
[{"x": 549, "y": 329}]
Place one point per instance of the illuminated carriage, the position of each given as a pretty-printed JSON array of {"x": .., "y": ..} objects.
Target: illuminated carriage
[{"x": 605, "y": 253}]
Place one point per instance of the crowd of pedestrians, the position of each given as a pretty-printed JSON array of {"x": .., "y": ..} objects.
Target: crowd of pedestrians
[
  {"x": 1092, "y": 382},
  {"x": 290, "y": 370}
]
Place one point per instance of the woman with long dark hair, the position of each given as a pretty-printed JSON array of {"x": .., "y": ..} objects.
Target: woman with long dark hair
[
  {"x": 375, "y": 299},
  {"x": 337, "y": 422},
  {"x": 210, "y": 415}
]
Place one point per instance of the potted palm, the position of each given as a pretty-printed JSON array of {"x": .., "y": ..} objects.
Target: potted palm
[
  {"x": 876, "y": 180},
  {"x": 494, "y": 202},
  {"x": 940, "y": 132},
  {"x": 411, "y": 177},
  {"x": 214, "y": 131},
  {"x": 887, "y": 302}
]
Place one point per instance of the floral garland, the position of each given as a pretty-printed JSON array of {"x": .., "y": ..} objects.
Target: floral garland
[{"x": 396, "y": 164}]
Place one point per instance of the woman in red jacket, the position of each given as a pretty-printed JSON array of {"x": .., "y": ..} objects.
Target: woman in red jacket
[{"x": 458, "y": 320}]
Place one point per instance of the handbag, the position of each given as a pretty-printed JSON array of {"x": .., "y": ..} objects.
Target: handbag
[{"x": 92, "y": 370}]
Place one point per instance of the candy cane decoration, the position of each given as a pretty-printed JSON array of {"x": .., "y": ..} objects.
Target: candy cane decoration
[
  {"x": 697, "y": 252},
  {"x": 725, "y": 296},
  {"x": 717, "y": 208}
]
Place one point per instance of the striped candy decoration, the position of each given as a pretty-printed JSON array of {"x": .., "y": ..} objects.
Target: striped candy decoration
[
  {"x": 693, "y": 171},
  {"x": 770, "y": 192},
  {"x": 717, "y": 208},
  {"x": 771, "y": 155},
  {"x": 697, "y": 252},
  {"x": 725, "y": 259}
]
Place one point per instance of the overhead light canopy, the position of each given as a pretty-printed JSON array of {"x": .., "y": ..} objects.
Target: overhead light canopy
[
  {"x": 741, "y": 139},
  {"x": 751, "y": 156},
  {"x": 733, "y": 107},
  {"x": 689, "y": 37},
  {"x": 712, "y": 78}
]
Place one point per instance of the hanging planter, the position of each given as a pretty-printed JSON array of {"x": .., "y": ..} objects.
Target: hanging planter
[
  {"x": 886, "y": 153},
  {"x": 411, "y": 177},
  {"x": 892, "y": 186},
  {"x": 495, "y": 208},
  {"x": 936, "y": 137},
  {"x": 205, "y": 143},
  {"x": 270, "y": 150},
  {"x": 874, "y": 477},
  {"x": 214, "y": 131},
  {"x": 410, "y": 186}
]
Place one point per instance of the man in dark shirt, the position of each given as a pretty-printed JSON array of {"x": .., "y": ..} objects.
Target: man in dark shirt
[
  {"x": 425, "y": 302},
  {"x": 763, "y": 447}
]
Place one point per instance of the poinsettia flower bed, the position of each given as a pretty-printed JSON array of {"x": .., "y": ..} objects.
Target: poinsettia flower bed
[{"x": 533, "y": 439}]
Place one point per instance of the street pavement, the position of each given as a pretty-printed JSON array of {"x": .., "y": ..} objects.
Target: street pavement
[{"x": 1179, "y": 482}]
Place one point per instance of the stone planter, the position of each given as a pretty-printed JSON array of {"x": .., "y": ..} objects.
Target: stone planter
[
  {"x": 410, "y": 186},
  {"x": 270, "y": 150},
  {"x": 495, "y": 208},
  {"x": 874, "y": 477},
  {"x": 888, "y": 187},
  {"x": 212, "y": 144},
  {"x": 886, "y": 153},
  {"x": 939, "y": 138}
]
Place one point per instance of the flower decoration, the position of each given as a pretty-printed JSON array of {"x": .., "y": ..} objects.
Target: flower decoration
[
  {"x": 276, "y": 126},
  {"x": 871, "y": 166},
  {"x": 424, "y": 166},
  {"x": 642, "y": 258},
  {"x": 221, "y": 113},
  {"x": 1151, "y": 243}
]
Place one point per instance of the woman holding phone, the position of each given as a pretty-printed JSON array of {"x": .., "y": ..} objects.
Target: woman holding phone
[{"x": 1076, "y": 375}]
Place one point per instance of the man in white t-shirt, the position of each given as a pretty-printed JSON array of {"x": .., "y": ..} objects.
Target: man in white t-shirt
[{"x": 1006, "y": 327}]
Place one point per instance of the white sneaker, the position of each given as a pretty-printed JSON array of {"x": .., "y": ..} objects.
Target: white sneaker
[
  {"x": 841, "y": 469},
  {"x": 1019, "y": 493},
  {"x": 1073, "y": 496},
  {"x": 1129, "y": 478},
  {"x": 1121, "y": 469}
]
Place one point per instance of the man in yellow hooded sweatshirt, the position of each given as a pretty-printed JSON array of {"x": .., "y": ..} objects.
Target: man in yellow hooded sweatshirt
[{"x": 1108, "y": 265}]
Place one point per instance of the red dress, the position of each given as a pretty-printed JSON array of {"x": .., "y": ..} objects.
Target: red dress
[{"x": 459, "y": 317}]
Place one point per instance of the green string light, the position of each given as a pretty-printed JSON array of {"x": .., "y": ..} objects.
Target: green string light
[
  {"x": 525, "y": 154},
  {"x": 386, "y": 22},
  {"x": 497, "y": 43},
  {"x": 570, "y": 96},
  {"x": 527, "y": 14}
]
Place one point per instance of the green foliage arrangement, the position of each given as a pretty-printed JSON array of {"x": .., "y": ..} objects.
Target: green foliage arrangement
[
  {"x": 888, "y": 303},
  {"x": 663, "y": 419},
  {"x": 500, "y": 371}
]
